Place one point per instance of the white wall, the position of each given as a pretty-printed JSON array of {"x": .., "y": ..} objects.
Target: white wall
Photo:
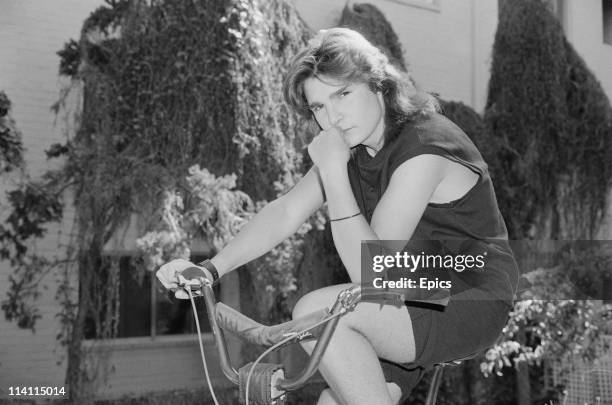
[
  {"x": 585, "y": 31},
  {"x": 447, "y": 46},
  {"x": 31, "y": 32}
]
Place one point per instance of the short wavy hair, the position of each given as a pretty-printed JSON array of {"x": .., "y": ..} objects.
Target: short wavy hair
[{"x": 345, "y": 55}]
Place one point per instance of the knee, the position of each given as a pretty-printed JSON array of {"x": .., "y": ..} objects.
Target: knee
[
  {"x": 311, "y": 302},
  {"x": 327, "y": 398},
  {"x": 304, "y": 306},
  {"x": 395, "y": 392}
]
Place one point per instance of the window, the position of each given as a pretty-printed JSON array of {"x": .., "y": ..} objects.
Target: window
[
  {"x": 607, "y": 21},
  {"x": 145, "y": 307},
  {"x": 426, "y": 4},
  {"x": 557, "y": 7}
]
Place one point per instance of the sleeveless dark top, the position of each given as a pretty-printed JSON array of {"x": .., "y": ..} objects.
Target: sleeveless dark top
[{"x": 464, "y": 226}]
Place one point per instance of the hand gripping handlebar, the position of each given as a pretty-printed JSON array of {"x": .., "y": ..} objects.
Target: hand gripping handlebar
[{"x": 221, "y": 317}]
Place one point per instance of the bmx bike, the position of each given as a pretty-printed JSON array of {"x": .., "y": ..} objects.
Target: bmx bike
[{"x": 266, "y": 383}]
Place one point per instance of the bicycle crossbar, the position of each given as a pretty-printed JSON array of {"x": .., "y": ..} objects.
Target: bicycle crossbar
[
  {"x": 221, "y": 317},
  {"x": 244, "y": 323},
  {"x": 246, "y": 328}
]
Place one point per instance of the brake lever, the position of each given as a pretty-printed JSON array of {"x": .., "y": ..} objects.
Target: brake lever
[{"x": 194, "y": 285}]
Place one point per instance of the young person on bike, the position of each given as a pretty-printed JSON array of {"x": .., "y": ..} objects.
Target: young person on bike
[{"x": 389, "y": 167}]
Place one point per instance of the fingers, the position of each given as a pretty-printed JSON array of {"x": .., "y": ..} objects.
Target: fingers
[
  {"x": 335, "y": 129},
  {"x": 181, "y": 294},
  {"x": 167, "y": 274},
  {"x": 167, "y": 280}
]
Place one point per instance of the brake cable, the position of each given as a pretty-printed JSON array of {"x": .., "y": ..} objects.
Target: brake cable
[
  {"x": 195, "y": 316},
  {"x": 282, "y": 342},
  {"x": 186, "y": 284}
]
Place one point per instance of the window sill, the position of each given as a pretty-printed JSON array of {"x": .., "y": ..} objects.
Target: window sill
[
  {"x": 149, "y": 342},
  {"x": 434, "y": 6}
]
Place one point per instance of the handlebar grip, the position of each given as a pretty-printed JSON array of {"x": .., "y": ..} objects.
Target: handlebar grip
[
  {"x": 191, "y": 273},
  {"x": 233, "y": 321}
]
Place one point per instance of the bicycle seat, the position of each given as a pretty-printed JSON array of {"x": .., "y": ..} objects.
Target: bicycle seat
[
  {"x": 458, "y": 361},
  {"x": 432, "y": 393}
]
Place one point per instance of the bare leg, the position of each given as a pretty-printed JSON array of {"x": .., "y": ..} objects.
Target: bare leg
[{"x": 350, "y": 364}]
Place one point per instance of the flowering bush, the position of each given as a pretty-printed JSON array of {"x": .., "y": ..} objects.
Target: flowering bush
[
  {"x": 216, "y": 211},
  {"x": 546, "y": 325}
]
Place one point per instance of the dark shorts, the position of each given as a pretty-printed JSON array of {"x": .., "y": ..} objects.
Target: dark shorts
[{"x": 464, "y": 328}]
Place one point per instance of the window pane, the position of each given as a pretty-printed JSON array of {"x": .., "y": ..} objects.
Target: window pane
[
  {"x": 607, "y": 21},
  {"x": 557, "y": 8},
  {"x": 98, "y": 319},
  {"x": 173, "y": 316},
  {"x": 135, "y": 299}
]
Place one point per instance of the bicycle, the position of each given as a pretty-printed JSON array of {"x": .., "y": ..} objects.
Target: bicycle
[{"x": 265, "y": 383}]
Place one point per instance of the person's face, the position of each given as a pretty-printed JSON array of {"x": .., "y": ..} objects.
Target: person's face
[{"x": 352, "y": 107}]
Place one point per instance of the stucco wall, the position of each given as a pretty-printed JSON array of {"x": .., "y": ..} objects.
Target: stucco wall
[
  {"x": 584, "y": 30},
  {"x": 447, "y": 45},
  {"x": 31, "y": 32}
]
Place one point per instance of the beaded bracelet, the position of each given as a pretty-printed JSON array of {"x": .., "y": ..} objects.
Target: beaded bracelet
[{"x": 340, "y": 219}]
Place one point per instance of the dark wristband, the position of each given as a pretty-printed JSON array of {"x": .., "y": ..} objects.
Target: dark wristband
[{"x": 208, "y": 265}]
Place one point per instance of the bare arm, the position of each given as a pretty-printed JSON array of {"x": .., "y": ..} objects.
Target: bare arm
[
  {"x": 274, "y": 223},
  {"x": 396, "y": 215}
]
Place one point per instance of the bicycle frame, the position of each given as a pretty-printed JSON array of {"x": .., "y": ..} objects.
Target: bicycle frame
[
  {"x": 346, "y": 302},
  {"x": 270, "y": 375}
]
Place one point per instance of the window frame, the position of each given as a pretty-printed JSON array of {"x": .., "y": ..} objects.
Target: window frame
[
  {"x": 606, "y": 24},
  {"x": 433, "y": 5},
  {"x": 153, "y": 336}
]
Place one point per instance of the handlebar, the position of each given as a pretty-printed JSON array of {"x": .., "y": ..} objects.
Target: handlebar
[
  {"x": 222, "y": 317},
  {"x": 319, "y": 325},
  {"x": 231, "y": 320},
  {"x": 248, "y": 329}
]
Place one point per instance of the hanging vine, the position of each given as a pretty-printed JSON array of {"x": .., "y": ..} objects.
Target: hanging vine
[
  {"x": 11, "y": 147},
  {"x": 29, "y": 207}
]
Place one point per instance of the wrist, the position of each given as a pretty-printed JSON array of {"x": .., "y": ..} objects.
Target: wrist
[
  {"x": 209, "y": 266},
  {"x": 332, "y": 172},
  {"x": 221, "y": 263}
]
